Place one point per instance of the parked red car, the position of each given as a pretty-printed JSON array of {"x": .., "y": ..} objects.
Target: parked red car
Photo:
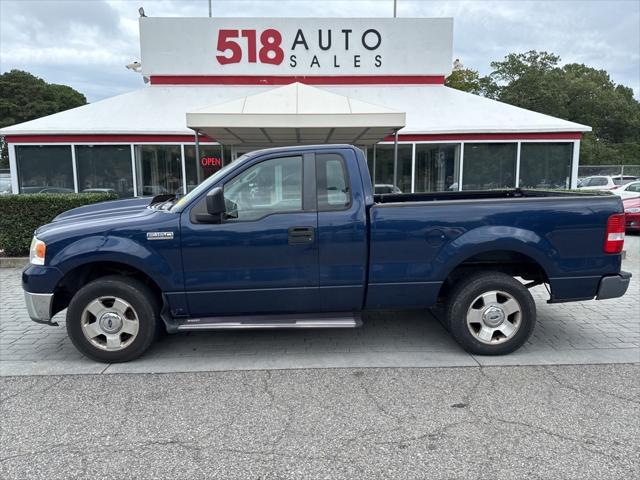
[{"x": 632, "y": 214}]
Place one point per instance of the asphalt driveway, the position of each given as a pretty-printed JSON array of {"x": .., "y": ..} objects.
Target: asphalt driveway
[{"x": 569, "y": 422}]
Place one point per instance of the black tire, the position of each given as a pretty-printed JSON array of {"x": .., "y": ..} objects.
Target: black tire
[
  {"x": 137, "y": 295},
  {"x": 463, "y": 297}
]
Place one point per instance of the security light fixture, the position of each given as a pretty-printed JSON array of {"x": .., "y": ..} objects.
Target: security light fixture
[
  {"x": 141, "y": 12},
  {"x": 135, "y": 66}
]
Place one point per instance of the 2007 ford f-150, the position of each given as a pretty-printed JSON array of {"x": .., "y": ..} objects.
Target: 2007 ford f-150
[{"x": 295, "y": 238}]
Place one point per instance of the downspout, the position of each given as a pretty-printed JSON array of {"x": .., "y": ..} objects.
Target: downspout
[
  {"x": 395, "y": 159},
  {"x": 195, "y": 131}
]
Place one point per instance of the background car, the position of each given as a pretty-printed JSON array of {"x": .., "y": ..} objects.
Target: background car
[
  {"x": 632, "y": 214},
  {"x": 597, "y": 182},
  {"x": 5, "y": 185},
  {"x": 623, "y": 179},
  {"x": 100, "y": 190},
  {"x": 382, "y": 188},
  {"x": 629, "y": 190},
  {"x": 46, "y": 189}
]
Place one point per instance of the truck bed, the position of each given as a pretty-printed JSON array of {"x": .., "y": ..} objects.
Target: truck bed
[{"x": 418, "y": 239}]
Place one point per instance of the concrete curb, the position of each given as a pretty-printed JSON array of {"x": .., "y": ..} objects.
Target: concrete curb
[{"x": 13, "y": 262}]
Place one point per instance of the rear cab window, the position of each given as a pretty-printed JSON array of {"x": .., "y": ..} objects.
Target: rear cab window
[{"x": 333, "y": 187}]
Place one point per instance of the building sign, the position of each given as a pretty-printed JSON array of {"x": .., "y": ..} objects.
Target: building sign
[
  {"x": 296, "y": 46},
  {"x": 214, "y": 162}
]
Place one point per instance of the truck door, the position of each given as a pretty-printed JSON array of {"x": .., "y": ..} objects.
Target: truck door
[
  {"x": 263, "y": 258},
  {"x": 342, "y": 231}
]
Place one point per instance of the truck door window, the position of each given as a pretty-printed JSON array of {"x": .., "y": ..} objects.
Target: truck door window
[
  {"x": 271, "y": 186},
  {"x": 333, "y": 182}
]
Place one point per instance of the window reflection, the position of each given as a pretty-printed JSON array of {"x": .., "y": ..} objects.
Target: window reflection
[
  {"x": 45, "y": 169},
  {"x": 545, "y": 165},
  {"x": 437, "y": 167},
  {"x": 489, "y": 165},
  {"x": 158, "y": 169},
  {"x": 104, "y": 168},
  {"x": 384, "y": 168},
  {"x": 212, "y": 159},
  {"x": 268, "y": 187}
]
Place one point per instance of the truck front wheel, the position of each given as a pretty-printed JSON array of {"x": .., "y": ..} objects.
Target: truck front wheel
[
  {"x": 490, "y": 313},
  {"x": 112, "y": 319}
]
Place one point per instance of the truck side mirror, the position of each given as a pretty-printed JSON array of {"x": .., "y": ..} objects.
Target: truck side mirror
[{"x": 215, "y": 202}]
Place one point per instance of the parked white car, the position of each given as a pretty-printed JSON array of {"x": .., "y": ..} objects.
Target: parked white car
[
  {"x": 629, "y": 190},
  {"x": 604, "y": 182}
]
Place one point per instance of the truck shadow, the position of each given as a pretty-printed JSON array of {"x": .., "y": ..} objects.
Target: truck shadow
[{"x": 389, "y": 331}]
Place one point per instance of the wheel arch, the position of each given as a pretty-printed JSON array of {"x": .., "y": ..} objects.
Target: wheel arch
[
  {"x": 83, "y": 273},
  {"x": 496, "y": 245}
]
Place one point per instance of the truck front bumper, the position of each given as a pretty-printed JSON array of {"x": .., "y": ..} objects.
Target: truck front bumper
[
  {"x": 613, "y": 286},
  {"x": 38, "y": 283},
  {"x": 39, "y": 306}
]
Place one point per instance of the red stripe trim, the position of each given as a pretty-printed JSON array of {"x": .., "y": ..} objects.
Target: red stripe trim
[
  {"x": 189, "y": 138},
  {"x": 487, "y": 136},
  {"x": 102, "y": 138},
  {"x": 287, "y": 79}
]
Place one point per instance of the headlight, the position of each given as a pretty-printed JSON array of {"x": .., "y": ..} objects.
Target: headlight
[
  {"x": 632, "y": 210},
  {"x": 37, "y": 251}
]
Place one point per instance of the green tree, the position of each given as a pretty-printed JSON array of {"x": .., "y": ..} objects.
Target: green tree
[
  {"x": 24, "y": 97},
  {"x": 535, "y": 81},
  {"x": 469, "y": 80},
  {"x": 531, "y": 80}
]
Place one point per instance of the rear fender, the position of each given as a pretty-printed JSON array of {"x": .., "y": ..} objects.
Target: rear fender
[{"x": 494, "y": 238}]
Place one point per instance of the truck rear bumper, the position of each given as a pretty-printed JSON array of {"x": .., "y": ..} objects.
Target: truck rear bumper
[
  {"x": 613, "y": 286},
  {"x": 39, "y": 307}
]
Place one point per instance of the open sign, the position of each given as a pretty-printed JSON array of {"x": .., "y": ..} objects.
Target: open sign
[{"x": 210, "y": 162}]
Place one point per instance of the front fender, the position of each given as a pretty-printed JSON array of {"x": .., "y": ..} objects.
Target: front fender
[
  {"x": 162, "y": 263},
  {"x": 492, "y": 238}
]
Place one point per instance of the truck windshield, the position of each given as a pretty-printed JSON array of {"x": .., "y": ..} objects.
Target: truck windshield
[{"x": 204, "y": 186}]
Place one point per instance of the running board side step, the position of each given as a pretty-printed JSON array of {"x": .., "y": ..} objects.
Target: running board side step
[{"x": 265, "y": 322}]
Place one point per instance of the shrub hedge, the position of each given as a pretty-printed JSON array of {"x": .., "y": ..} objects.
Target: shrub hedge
[{"x": 20, "y": 215}]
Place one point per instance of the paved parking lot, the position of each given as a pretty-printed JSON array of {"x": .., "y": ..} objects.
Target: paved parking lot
[
  {"x": 496, "y": 423},
  {"x": 574, "y": 333}
]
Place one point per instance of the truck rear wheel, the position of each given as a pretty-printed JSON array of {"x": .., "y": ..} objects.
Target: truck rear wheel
[
  {"x": 490, "y": 313},
  {"x": 113, "y": 319}
]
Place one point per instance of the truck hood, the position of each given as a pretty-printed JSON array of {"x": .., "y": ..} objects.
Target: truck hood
[
  {"x": 102, "y": 217},
  {"x": 104, "y": 209}
]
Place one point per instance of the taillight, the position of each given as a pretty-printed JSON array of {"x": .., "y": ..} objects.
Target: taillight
[{"x": 614, "y": 236}]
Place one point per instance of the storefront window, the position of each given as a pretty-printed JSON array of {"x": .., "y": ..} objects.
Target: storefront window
[
  {"x": 212, "y": 158},
  {"x": 368, "y": 154},
  {"x": 104, "y": 168},
  {"x": 545, "y": 165},
  {"x": 489, "y": 165},
  {"x": 437, "y": 167},
  {"x": 45, "y": 169},
  {"x": 158, "y": 169},
  {"x": 384, "y": 168}
]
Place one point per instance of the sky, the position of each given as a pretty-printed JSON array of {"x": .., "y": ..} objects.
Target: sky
[{"x": 87, "y": 43}]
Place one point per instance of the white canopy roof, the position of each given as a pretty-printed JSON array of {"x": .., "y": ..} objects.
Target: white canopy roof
[
  {"x": 296, "y": 114},
  {"x": 430, "y": 109}
]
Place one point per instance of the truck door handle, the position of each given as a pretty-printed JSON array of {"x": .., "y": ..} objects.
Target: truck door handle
[{"x": 301, "y": 235}]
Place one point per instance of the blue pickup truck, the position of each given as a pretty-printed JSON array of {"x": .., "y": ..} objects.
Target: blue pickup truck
[{"x": 295, "y": 238}]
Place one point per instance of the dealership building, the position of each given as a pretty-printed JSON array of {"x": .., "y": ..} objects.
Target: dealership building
[{"x": 220, "y": 87}]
